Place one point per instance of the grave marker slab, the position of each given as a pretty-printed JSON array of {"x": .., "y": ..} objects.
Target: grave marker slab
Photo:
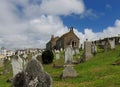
[
  {"x": 68, "y": 55},
  {"x": 57, "y": 52}
]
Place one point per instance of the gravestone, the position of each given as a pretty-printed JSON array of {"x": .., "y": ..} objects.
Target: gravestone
[
  {"x": 17, "y": 65},
  {"x": 25, "y": 56},
  {"x": 68, "y": 72},
  {"x": 94, "y": 48},
  {"x": 57, "y": 52},
  {"x": 83, "y": 58},
  {"x": 34, "y": 56},
  {"x": 61, "y": 49},
  {"x": 77, "y": 51},
  {"x": 1, "y": 62},
  {"x": 33, "y": 76},
  {"x": 112, "y": 43},
  {"x": 25, "y": 60},
  {"x": 107, "y": 46},
  {"x": 39, "y": 57},
  {"x": 68, "y": 55},
  {"x": 73, "y": 52},
  {"x": 87, "y": 49}
]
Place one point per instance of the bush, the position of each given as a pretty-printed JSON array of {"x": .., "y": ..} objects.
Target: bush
[{"x": 47, "y": 57}]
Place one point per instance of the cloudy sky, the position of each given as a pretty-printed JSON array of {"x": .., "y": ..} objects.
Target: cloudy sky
[{"x": 30, "y": 23}]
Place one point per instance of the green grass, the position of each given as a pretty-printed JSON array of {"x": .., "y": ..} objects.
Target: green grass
[{"x": 96, "y": 72}]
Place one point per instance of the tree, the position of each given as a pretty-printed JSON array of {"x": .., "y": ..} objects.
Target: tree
[{"x": 47, "y": 57}]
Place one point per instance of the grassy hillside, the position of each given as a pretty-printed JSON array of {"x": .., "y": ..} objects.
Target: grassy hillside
[{"x": 97, "y": 72}]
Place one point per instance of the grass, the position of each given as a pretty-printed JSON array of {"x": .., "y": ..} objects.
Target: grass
[{"x": 96, "y": 72}]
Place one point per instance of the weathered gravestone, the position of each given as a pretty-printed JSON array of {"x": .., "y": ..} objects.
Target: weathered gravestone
[
  {"x": 77, "y": 51},
  {"x": 68, "y": 72},
  {"x": 17, "y": 65},
  {"x": 39, "y": 57},
  {"x": 57, "y": 52},
  {"x": 87, "y": 49},
  {"x": 107, "y": 46},
  {"x": 25, "y": 60},
  {"x": 112, "y": 43},
  {"x": 68, "y": 55},
  {"x": 61, "y": 49},
  {"x": 33, "y": 76},
  {"x": 1, "y": 63},
  {"x": 73, "y": 52},
  {"x": 93, "y": 48}
]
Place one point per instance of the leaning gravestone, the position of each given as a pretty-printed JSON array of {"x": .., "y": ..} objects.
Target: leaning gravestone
[
  {"x": 93, "y": 48},
  {"x": 17, "y": 65},
  {"x": 57, "y": 52},
  {"x": 87, "y": 49},
  {"x": 32, "y": 76},
  {"x": 68, "y": 55}
]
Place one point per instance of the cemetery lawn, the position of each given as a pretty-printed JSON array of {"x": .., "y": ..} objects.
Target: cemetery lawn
[{"x": 97, "y": 72}]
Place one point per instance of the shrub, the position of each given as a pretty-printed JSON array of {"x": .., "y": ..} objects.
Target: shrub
[{"x": 47, "y": 57}]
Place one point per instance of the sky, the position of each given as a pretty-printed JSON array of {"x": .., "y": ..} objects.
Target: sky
[{"x": 30, "y": 23}]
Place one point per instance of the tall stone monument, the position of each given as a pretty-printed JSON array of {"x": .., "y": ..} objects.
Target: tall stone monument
[{"x": 87, "y": 49}]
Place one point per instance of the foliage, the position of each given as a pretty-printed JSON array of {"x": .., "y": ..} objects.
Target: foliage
[{"x": 47, "y": 57}]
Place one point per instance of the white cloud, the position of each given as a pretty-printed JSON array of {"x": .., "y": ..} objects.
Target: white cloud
[
  {"x": 26, "y": 24},
  {"x": 45, "y": 26},
  {"x": 62, "y": 7},
  {"x": 110, "y": 31},
  {"x": 88, "y": 14}
]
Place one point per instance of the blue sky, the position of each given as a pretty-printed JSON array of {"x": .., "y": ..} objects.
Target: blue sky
[
  {"x": 105, "y": 11},
  {"x": 30, "y": 23}
]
